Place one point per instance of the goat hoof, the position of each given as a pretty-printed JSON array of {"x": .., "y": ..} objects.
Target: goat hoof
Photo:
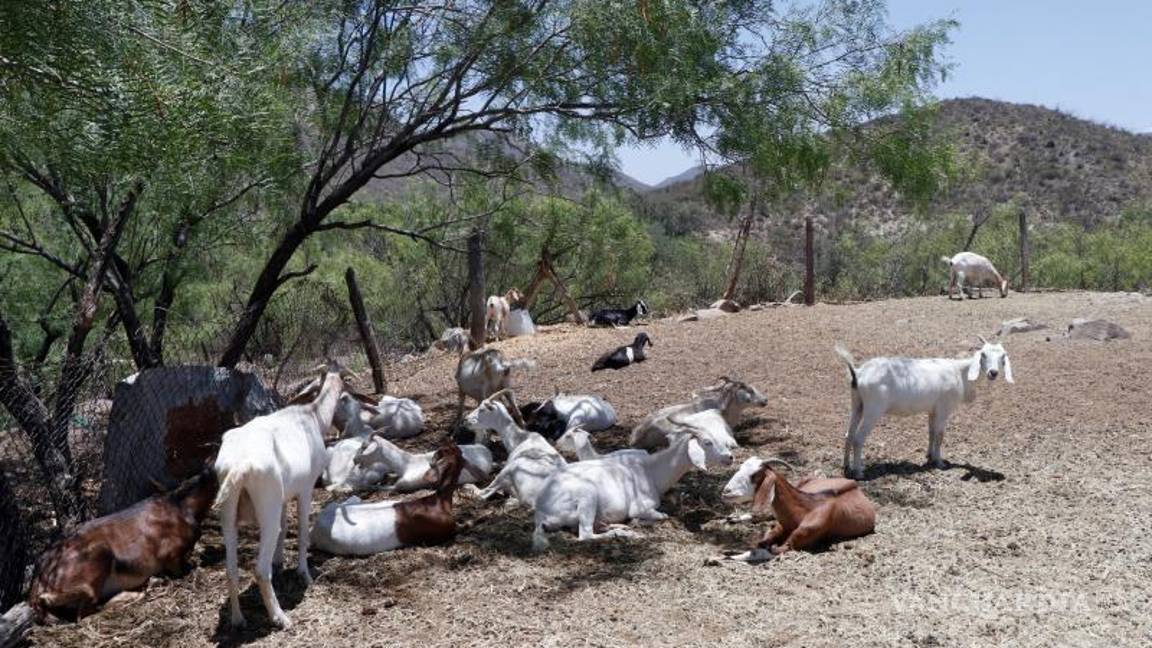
[
  {"x": 238, "y": 621},
  {"x": 282, "y": 621},
  {"x": 305, "y": 576}
]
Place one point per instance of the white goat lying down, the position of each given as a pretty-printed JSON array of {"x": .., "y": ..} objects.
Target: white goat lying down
[
  {"x": 579, "y": 442},
  {"x": 906, "y": 386},
  {"x": 591, "y": 494},
  {"x": 586, "y": 411},
  {"x": 343, "y": 473},
  {"x": 355, "y": 528},
  {"x": 729, "y": 397},
  {"x": 377, "y": 453},
  {"x": 396, "y": 418},
  {"x": 262, "y": 465},
  {"x": 976, "y": 271},
  {"x": 531, "y": 459}
]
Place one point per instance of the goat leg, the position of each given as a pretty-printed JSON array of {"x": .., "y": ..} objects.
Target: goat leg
[
  {"x": 811, "y": 530},
  {"x": 775, "y": 533}
]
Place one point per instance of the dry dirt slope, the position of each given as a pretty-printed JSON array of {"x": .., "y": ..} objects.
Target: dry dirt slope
[{"x": 1038, "y": 536}]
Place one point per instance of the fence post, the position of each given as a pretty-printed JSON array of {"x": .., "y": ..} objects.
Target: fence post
[
  {"x": 1025, "y": 252},
  {"x": 809, "y": 264},
  {"x": 366, "y": 334}
]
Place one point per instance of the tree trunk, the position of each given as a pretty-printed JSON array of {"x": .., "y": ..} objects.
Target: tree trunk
[
  {"x": 977, "y": 221},
  {"x": 573, "y": 307},
  {"x": 1025, "y": 252},
  {"x": 809, "y": 264},
  {"x": 476, "y": 296},
  {"x": 736, "y": 263},
  {"x": 366, "y": 333},
  {"x": 266, "y": 284}
]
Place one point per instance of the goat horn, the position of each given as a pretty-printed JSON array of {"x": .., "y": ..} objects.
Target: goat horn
[
  {"x": 982, "y": 340},
  {"x": 779, "y": 461},
  {"x": 495, "y": 395}
]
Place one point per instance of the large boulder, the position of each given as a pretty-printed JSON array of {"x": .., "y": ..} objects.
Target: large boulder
[
  {"x": 1100, "y": 330},
  {"x": 166, "y": 422}
]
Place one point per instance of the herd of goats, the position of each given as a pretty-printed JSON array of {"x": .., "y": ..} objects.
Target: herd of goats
[{"x": 264, "y": 464}]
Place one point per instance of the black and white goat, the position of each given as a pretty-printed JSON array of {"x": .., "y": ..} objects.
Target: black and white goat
[
  {"x": 621, "y": 357},
  {"x": 618, "y": 316}
]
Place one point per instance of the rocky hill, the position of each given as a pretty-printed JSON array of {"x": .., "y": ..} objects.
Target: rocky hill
[{"x": 1066, "y": 168}]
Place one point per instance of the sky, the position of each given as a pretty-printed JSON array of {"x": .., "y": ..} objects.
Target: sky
[{"x": 1090, "y": 59}]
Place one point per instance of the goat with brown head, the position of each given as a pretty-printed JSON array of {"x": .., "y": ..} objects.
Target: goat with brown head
[{"x": 813, "y": 511}]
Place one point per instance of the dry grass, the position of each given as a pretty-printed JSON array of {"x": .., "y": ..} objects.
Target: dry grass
[{"x": 1037, "y": 536}]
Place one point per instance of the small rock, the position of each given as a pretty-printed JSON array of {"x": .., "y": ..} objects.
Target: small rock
[
  {"x": 756, "y": 307},
  {"x": 726, "y": 305},
  {"x": 690, "y": 317},
  {"x": 712, "y": 562},
  {"x": 710, "y": 313},
  {"x": 1020, "y": 325},
  {"x": 388, "y": 602},
  {"x": 367, "y": 611}
]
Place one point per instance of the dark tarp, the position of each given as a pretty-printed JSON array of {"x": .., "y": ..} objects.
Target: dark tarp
[{"x": 166, "y": 422}]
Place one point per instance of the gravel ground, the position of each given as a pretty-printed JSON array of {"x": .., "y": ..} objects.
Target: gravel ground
[{"x": 1038, "y": 535}]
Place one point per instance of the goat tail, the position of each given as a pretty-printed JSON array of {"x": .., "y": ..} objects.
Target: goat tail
[
  {"x": 231, "y": 485},
  {"x": 846, "y": 356}
]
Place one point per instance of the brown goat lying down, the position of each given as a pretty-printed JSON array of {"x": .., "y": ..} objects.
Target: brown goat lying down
[
  {"x": 813, "y": 511},
  {"x": 121, "y": 551}
]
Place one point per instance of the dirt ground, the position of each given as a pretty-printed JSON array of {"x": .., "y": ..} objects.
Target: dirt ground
[{"x": 1039, "y": 534}]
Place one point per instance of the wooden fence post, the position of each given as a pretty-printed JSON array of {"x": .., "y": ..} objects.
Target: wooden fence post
[{"x": 367, "y": 336}]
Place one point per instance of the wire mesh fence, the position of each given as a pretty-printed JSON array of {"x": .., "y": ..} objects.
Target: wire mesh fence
[{"x": 86, "y": 436}]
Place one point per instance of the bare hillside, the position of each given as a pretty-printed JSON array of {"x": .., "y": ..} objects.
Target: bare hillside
[
  {"x": 1066, "y": 168},
  {"x": 1037, "y": 536}
]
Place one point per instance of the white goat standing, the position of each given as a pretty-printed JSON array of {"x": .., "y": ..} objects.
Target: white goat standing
[
  {"x": 591, "y": 494},
  {"x": 261, "y": 466},
  {"x": 730, "y": 398},
  {"x": 479, "y": 374},
  {"x": 974, "y": 269},
  {"x": 531, "y": 459},
  {"x": 376, "y": 452},
  {"x": 906, "y": 386}
]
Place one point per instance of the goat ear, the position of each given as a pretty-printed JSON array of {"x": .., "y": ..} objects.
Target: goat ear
[
  {"x": 974, "y": 368},
  {"x": 1008, "y": 369},
  {"x": 696, "y": 455}
]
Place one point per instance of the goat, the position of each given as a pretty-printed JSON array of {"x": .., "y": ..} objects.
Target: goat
[
  {"x": 618, "y": 316},
  {"x": 591, "y": 494},
  {"x": 531, "y": 459},
  {"x": 122, "y": 551},
  {"x": 454, "y": 340},
  {"x": 497, "y": 310},
  {"x": 343, "y": 473},
  {"x": 812, "y": 511},
  {"x": 907, "y": 386},
  {"x": 729, "y": 397},
  {"x": 977, "y": 270},
  {"x": 564, "y": 412},
  {"x": 578, "y": 442},
  {"x": 479, "y": 374},
  {"x": 396, "y": 418},
  {"x": 262, "y": 465},
  {"x": 623, "y": 356},
  {"x": 412, "y": 469},
  {"x": 355, "y": 528}
]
